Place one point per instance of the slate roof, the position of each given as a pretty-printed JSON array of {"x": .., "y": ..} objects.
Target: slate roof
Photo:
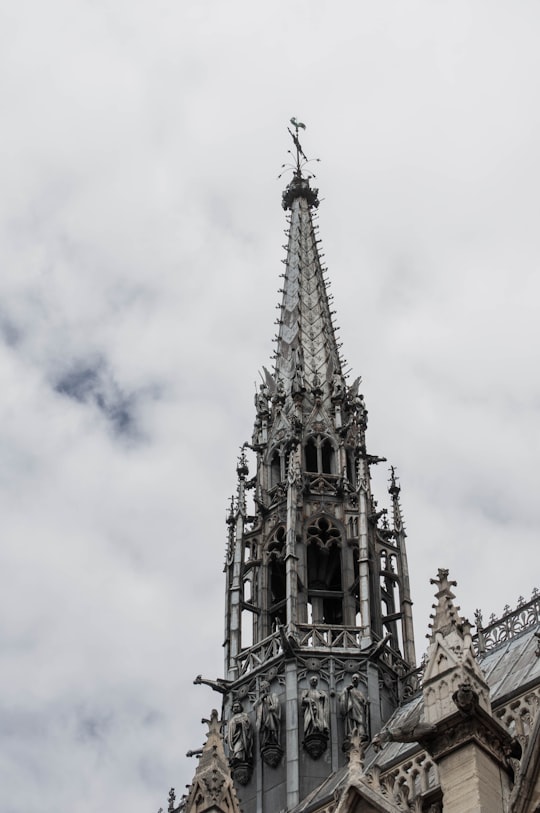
[
  {"x": 510, "y": 668},
  {"x": 513, "y": 665}
]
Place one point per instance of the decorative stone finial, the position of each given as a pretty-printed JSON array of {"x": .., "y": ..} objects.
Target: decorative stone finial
[
  {"x": 242, "y": 467},
  {"x": 452, "y": 675},
  {"x": 446, "y": 615},
  {"x": 394, "y": 487}
]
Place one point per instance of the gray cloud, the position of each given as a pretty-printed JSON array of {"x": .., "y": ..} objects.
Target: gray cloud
[{"x": 93, "y": 383}]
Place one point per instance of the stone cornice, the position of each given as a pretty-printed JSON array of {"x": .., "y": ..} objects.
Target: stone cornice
[{"x": 460, "y": 729}]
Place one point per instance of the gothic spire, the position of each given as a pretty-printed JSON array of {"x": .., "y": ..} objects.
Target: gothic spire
[
  {"x": 317, "y": 592},
  {"x": 307, "y": 356}
]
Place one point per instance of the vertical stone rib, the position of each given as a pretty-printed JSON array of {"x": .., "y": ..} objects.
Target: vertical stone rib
[{"x": 409, "y": 651}]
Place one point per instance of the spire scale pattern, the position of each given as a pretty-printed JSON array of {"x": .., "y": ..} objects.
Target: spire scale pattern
[{"x": 307, "y": 352}]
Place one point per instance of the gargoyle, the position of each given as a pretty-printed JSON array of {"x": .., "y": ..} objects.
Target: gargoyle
[{"x": 219, "y": 685}]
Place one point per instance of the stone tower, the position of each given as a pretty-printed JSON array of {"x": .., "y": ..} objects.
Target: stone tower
[
  {"x": 318, "y": 623},
  {"x": 319, "y": 648}
]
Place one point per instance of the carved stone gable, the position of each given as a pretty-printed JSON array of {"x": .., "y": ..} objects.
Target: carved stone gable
[
  {"x": 281, "y": 428},
  {"x": 212, "y": 788},
  {"x": 318, "y": 421},
  {"x": 451, "y": 662}
]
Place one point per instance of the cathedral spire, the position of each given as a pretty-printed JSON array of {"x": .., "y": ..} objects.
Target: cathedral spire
[
  {"x": 307, "y": 355},
  {"x": 317, "y": 594}
]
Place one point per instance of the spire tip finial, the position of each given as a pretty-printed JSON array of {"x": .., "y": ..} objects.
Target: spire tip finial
[
  {"x": 299, "y": 151},
  {"x": 299, "y": 185}
]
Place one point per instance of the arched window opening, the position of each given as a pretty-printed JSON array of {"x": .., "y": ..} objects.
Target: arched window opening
[
  {"x": 325, "y": 592},
  {"x": 275, "y": 469},
  {"x": 278, "y": 593},
  {"x": 247, "y": 629},
  {"x": 356, "y": 586},
  {"x": 327, "y": 457},
  {"x": 277, "y": 580},
  {"x": 311, "y": 456},
  {"x": 324, "y": 567},
  {"x": 319, "y": 455},
  {"x": 353, "y": 527},
  {"x": 351, "y": 468},
  {"x": 278, "y": 584}
]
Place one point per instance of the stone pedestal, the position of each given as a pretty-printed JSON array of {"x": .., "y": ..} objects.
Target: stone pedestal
[{"x": 472, "y": 782}]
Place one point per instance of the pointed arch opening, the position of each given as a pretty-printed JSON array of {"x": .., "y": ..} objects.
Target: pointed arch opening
[
  {"x": 248, "y": 618},
  {"x": 324, "y": 573},
  {"x": 320, "y": 455},
  {"x": 355, "y": 590},
  {"x": 311, "y": 456},
  {"x": 276, "y": 467},
  {"x": 327, "y": 457},
  {"x": 277, "y": 580}
]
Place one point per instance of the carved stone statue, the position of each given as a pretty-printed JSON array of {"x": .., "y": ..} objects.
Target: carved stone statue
[
  {"x": 361, "y": 410},
  {"x": 240, "y": 737},
  {"x": 268, "y": 715},
  {"x": 297, "y": 387},
  {"x": 315, "y": 706},
  {"x": 352, "y": 705},
  {"x": 314, "y": 703},
  {"x": 338, "y": 389},
  {"x": 268, "y": 710},
  {"x": 261, "y": 400}
]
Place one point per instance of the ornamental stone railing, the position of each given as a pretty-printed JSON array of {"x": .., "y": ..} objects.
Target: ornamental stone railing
[
  {"x": 259, "y": 654},
  {"x": 322, "y": 636},
  {"x": 407, "y": 784},
  {"x": 511, "y": 624}
]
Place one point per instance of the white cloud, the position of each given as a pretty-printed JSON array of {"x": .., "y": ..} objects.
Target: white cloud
[{"x": 141, "y": 238}]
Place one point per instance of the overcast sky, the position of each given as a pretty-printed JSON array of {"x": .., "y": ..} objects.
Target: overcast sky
[{"x": 141, "y": 243}]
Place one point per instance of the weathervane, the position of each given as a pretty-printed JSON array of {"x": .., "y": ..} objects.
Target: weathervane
[
  {"x": 299, "y": 151},
  {"x": 301, "y": 158}
]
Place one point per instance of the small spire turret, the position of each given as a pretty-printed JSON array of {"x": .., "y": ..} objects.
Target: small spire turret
[
  {"x": 446, "y": 614},
  {"x": 450, "y": 659}
]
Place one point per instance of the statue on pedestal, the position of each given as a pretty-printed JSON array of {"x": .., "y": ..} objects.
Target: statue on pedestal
[{"x": 314, "y": 703}]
